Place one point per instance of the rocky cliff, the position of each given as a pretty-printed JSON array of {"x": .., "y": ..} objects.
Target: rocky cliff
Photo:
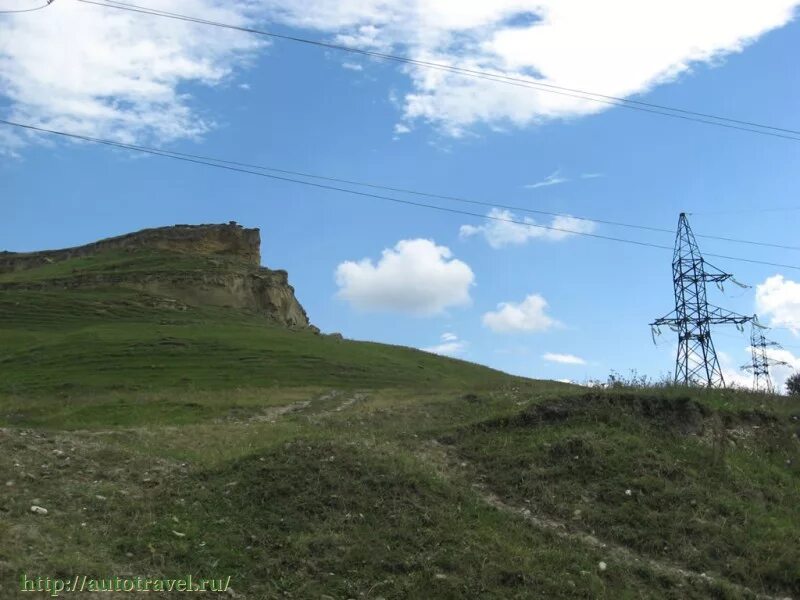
[{"x": 196, "y": 265}]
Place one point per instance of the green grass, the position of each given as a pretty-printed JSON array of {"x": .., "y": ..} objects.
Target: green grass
[
  {"x": 313, "y": 505},
  {"x": 165, "y": 439},
  {"x": 87, "y": 342},
  {"x": 125, "y": 262},
  {"x": 669, "y": 477}
]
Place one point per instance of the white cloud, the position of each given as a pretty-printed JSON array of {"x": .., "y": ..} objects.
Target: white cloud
[
  {"x": 616, "y": 47},
  {"x": 116, "y": 74},
  {"x": 527, "y": 316},
  {"x": 778, "y": 299},
  {"x": 591, "y": 175},
  {"x": 564, "y": 359},
  {"x": 122, "y": 75},
  {"x": 779, "y": 373},
  {"x": 505, "y": 229},
  {"x": 352, "y": 66},
  {"x": 450, "y": 345},
  {"x": 400, "y": 128},
  {"x": 553, "y": 179},
  {"x": 416, "y": 277}
]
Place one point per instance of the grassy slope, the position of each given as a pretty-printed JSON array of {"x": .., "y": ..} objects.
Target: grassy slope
[
  {"x": 115, "y": 345},
  {"x": 668, "y": 477},
  {"x": 205, "y": 441}
]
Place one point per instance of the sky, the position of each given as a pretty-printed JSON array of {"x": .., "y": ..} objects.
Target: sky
[{"x": 541, "y": 303}]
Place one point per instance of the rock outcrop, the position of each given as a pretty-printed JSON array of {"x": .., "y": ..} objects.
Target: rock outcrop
[{"x": 227, "y": 271}]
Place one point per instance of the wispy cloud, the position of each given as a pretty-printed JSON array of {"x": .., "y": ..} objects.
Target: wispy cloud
[
  {"x": 553, "y": 179},
  {"x": 591, "y": 175},
  {"x": 564, "y": 359},
  {"x": 506, "y": 229},
  {"x": 115, "y": 74},
  {"x": 352, "y": 66},
  {"x": 450, "y": 345}
]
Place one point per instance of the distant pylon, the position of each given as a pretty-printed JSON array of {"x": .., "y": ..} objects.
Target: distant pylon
[
  {"x": 761, "y": 362},
  {"x": 696, "y": 362}
]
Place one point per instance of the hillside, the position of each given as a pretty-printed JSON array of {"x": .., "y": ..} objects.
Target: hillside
[
  {"x": 166, "y": 433},
  {"x": 181, "y": 307}
]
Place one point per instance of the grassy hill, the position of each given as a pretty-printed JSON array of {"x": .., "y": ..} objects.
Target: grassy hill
[
  {"x": 165, "y": 439},
  {"x": 106, "y": 344}
]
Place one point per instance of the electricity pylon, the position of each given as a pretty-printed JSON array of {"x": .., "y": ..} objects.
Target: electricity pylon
[
  {"x": 696, "y": 362},
  {"x": 761, "y": 362}
]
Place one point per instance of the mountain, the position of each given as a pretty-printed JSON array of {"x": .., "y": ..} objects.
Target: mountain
[
  {"x": 166, "y": 409},
  {"x": 181, "y": 307},
  {"x": 195, "y": 265}
]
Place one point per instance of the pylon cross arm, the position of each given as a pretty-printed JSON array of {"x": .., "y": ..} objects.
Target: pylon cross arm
[{"x": 720, "y": 316}]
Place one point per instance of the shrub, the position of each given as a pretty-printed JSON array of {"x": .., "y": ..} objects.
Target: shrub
[{"x": 793, "y": 384}]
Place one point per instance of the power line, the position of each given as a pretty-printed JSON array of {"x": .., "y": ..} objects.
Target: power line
[
  {"x": 458, "y": 198},
  {"x": 26, "y": 10},
  {"x": 484, "y": 203},
  {"x": 480, "y": 202},
  {"x": 734, "y": 211},
  {"x": 742, "y": 336},
  {"x": 678, "y": 113},
  {"x": 212, "y": 162}
]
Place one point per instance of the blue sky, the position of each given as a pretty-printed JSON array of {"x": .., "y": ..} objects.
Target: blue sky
[{"x": 306, "y": 109}]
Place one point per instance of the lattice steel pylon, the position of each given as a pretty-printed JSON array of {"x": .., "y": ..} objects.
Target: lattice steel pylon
[
  {"x": 696, "y": 362},
  {"x": 761, "y": 362}
]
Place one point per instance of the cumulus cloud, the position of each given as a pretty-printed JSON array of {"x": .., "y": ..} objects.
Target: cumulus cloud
[
  {"x": 564, "y": 359},
  {"x": 528, "y": 316},
  {"x": 352, "y": 66},
  {"x": 569, "y": 43},
  {"x": 506, "y": 229},
  {"x": 449, "y": 345},
  {"x": 416, "y": 277},
  {"x": 779, "y": 373},
  {"x": 778, "y": 299},
  {"x": 114, "y": 74},
  {"x": 553, "y": 179}
]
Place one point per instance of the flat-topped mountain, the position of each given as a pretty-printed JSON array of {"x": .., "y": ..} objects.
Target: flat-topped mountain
[
  {"x": 187, "y": 306},
  {"x": 229, "y": 239},
  {"x": 214, "y": 265}
]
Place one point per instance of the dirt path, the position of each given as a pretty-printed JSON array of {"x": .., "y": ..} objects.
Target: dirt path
[
  {"x": 273, "y": 413},
  {"x": 357, "y": 397},
  {"x": 449, "y": 467}
]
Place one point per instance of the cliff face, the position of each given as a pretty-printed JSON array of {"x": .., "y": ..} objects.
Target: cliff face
[{"x": 217, "y": 265}]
